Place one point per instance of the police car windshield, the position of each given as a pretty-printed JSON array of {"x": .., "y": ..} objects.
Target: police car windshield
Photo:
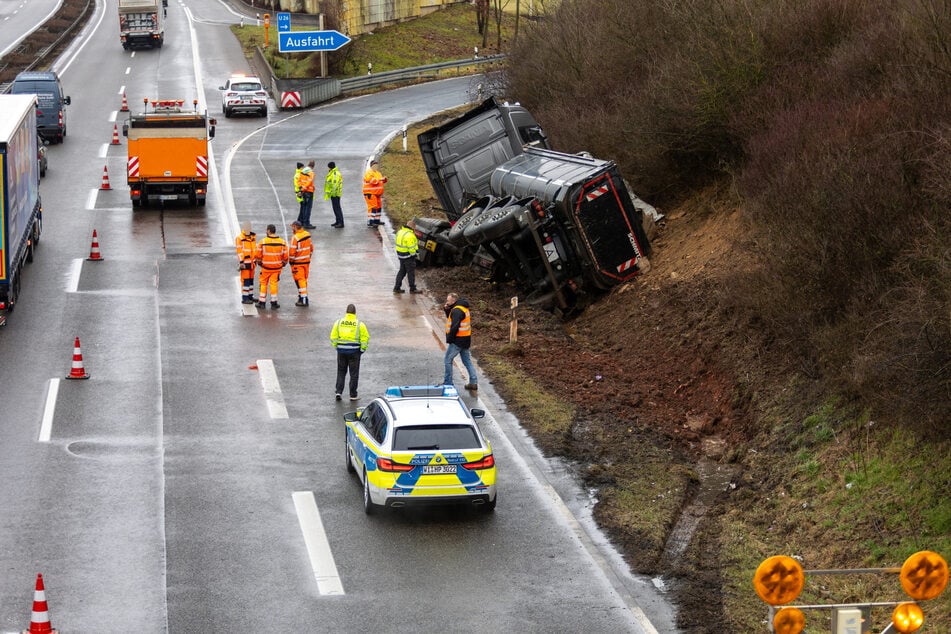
[{"x": 433, "y": 437}]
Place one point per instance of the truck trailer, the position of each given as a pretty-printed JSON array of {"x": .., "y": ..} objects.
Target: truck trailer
[
  {"x": 141, "y": 23},
  {"x": 168, "y": 153},
  {"x": 21, "y": 211}
]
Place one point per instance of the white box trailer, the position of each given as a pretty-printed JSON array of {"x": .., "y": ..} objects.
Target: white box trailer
[{"x": 141, "y": 23}]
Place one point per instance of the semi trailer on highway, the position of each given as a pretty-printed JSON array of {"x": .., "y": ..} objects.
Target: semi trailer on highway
[
  {"x": 21, "y": 211},
  {"x": 141, "y": 23},
  {"x": 168, "y": 153}
]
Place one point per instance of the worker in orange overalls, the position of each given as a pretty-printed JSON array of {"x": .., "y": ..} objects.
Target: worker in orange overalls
[
  {"x": 271, "y": 255},
  {"x": 245, "y": 245},
  {"x": 373, "y": 183},
  {"x": 299, "y": 252}
]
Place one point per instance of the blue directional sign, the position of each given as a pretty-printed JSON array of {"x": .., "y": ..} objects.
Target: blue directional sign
[
  {"x": 303, "y": 41},
  {"x": 283, "y": 22}
]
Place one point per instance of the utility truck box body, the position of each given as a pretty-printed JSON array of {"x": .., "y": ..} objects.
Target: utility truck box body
[
  {"x": 141, "y": 23},
  {"x": 168, "y": 154},
  {"x": 21, "y": 212}
]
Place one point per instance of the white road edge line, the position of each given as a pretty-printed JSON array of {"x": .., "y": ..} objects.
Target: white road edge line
[
  {"x": 75, "y": 272},
  {"x": 91, "y": 199},
  {"x": 272, "y": 389},
  {"x": 46, "y": 428},
  {"x": 318, "y": 548}
]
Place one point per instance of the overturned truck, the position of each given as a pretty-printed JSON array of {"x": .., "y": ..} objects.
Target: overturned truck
[{"x": 558, "y": 226}]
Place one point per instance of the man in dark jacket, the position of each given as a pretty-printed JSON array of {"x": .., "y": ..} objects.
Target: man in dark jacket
[{"x": 458, "y": 339}]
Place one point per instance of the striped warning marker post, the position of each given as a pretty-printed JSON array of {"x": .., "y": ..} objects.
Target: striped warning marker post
[
  {"x": 77, "y": 372},
  {"x": 40, "y": 616}
]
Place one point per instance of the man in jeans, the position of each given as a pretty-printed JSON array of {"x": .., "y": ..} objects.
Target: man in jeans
[
  {"x": 350, "y": 338},
  {"x": 458, "y": 339}
]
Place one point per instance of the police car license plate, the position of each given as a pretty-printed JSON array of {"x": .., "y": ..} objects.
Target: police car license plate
[{"x": 439, "y": 469}]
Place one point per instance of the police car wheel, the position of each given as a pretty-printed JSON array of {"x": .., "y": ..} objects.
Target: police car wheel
[
  {"x": 489, "y": 507},
  {"x": 368, "y": 506},
  {"x": 350, "y": 468}
]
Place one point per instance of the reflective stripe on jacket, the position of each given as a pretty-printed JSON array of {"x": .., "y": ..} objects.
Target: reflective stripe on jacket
[
  {"x": 406, "y": 243},
  {"x": 271, "y": 252},
  {"x": 301, "y": 248},
  {"x": 349, "y": 335}
]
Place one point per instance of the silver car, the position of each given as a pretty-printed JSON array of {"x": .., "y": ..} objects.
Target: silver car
[{"x": 242, "y": 93}]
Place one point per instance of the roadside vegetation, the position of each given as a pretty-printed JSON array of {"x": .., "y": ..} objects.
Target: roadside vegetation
[{"x": 814, "y": 139}]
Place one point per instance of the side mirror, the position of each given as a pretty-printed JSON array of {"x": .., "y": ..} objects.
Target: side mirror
[
  {"x": 221, "y": 88},
  {"x": 125, "y": 129},
  {"x": 352, "y": 417},
  {"x": 66, "y": 100},
  {"x": 211, "y": 130},
  {"x": 477, "y": 413}
]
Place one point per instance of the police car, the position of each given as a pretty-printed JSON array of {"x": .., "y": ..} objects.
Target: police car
[
  {"x": 243, "y": 94},
  {"x": 418, "y": 445}
]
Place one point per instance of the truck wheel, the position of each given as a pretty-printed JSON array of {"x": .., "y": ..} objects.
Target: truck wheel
[
  {"x": 29, "y": 252},
  {"x": 498, "y": 222},
  {"x": 473, "y": 233},
  {"x": 474, "y": 211},
  {"x": 136, "y": 203}
]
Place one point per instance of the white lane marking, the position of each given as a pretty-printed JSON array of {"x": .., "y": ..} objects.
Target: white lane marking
[
  {"x": 128, "y": 69},
  {"x": 103, "y": 150},
  {"x": 113, "y": 116},
  {"x": 318, "y": 548},
  {"x": 75, "y": 271},
  {"x": 272, "y": 389},
  {"x": 46, "y": 428},
  {"x": 91, "y": 199}
]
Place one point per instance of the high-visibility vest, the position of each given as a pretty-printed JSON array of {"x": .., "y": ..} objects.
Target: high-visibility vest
[
  {"x": 245, "y": 245},
  {"x": 272, "y": 252},
  {"x": 297, "y": 179},
  {"x": 465, "y": 326},
  {"x": 301, "y": 248},
  {"x": 306, "y": 180},
  {"x": 406, "y": 242},
  {"x": 349, "y": 335},
  {"x": 333, "y": 184},
  {"x": 373, "y": 182}
]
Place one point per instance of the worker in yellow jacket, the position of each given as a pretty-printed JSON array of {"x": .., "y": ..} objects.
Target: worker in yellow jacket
[
  {"x": 350, "y": 339},
  {"x": 245, "y": 244},
  {"x": 299, "y": 253},
  {"x": 271, "y": 255},
  {"x": 373, "y": 182}
]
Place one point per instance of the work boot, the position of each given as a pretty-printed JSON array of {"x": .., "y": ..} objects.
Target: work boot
[
  {"x": 472, "y": 386},
  {"x": 300, "y": 302},
  {"x": 261, "y": 305},
  {"x": 398, "y": 290},
  {"x": 247, "y": 300},
  {"x": 415, "y": 291},
  {"x": 275, "y": 305}
]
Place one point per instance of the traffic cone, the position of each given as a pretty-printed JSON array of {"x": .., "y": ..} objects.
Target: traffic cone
[
  {"x": 77, "y": 372},
  {"x": 105, "y": 178},
  {"x": 125, "y": 104},
  {"x": 115, "y": 134},
  {"x": 94, "y": 254},
  {"x": 40, "y": 616}
]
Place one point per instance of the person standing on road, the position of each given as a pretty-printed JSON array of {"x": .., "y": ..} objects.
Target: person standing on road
[
  {"x": 306, "y": 181},
  {"x": 333, "y": 190},
  {"x": 406, "y": 247},
  {"x": 298, "y": 254},
  {"x": 271, "y": 256},
  {"x": 350, "y": 339},
  {"x": 458, "y": 339},
  {"x": 373, "y": 183},
  {"x": 245, "y": 244}
]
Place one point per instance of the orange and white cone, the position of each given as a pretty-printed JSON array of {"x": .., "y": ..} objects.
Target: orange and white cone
[
  {"x": 94, "y": 254},
  {"x": 105, "y": 178},
  {"x": 40, "y": 616},
  {"x": 115, "y": 134},
  {"x": 125, "y": 104},
  {"x": 78, "y": 372}
]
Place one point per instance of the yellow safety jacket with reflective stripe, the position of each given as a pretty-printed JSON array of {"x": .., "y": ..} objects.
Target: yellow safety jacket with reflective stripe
[
  {"x": 465, "y": 325},
  {"x": 271, "y": 252},
  {"x": 301, "y": 247},
  {"x": 406, "y": 242},
  {"x": 245, "y": 245},
  {"x": 349, "y": 335}
]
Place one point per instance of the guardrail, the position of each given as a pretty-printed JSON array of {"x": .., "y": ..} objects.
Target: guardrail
[{"x": 313, "y": 91}]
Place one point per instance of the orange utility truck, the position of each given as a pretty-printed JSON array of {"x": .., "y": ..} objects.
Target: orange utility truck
[{"x": 168, "y": 153}]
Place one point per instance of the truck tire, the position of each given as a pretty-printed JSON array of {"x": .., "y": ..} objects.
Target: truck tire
[
  {"x": 472, "y": 234},
  {"x": 475, "y": 209},
  {"x": 499, "y": 222}
]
